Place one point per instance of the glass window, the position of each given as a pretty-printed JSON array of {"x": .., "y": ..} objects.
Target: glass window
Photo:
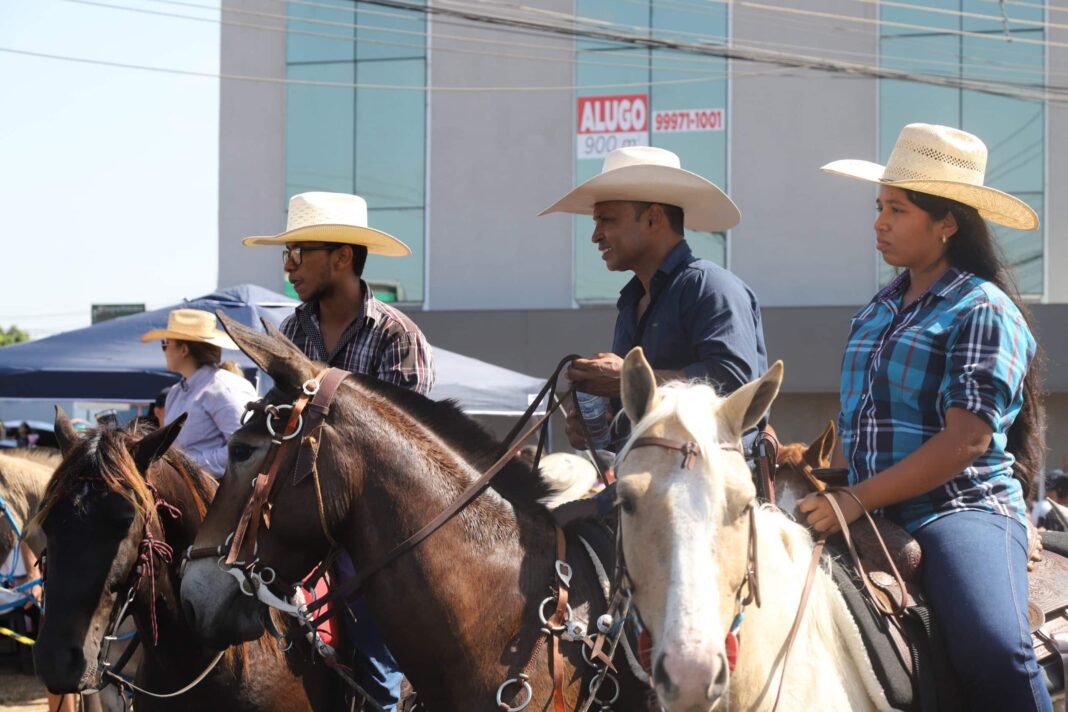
[
  {"x": 1013, "y": 129},
  {"x": 672, "y": 82},
  {"x": 367, "y": 141}
]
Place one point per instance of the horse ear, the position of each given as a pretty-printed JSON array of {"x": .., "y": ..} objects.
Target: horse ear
[
  {"x": 744, "y": 408},
  {"x": 155, "y": 445},
  {"x": 819, "y": 452},
  {"x": 66, "y": 435},
  {"x": 272, "y": 352},
  {"x": 638, "y": 386}
]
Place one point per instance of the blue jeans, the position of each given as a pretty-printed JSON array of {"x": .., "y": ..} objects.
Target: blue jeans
[
  {"x": 373, "y": 665},
  {"x": 975, "y": 577}
]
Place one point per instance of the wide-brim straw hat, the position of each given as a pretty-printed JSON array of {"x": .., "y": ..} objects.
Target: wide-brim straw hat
[
  {"x": 653, "y": 175},
  {"x": 192, "y": 325},
  {"x": 946, "y": 162},
  {"x": 332, "y": 217}
]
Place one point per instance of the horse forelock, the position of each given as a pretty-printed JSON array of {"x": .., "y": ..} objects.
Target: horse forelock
[{"x": 103, "y": 456}]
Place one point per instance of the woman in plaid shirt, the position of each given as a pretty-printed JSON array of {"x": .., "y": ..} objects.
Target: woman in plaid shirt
[{"x": 940, "y": 407}]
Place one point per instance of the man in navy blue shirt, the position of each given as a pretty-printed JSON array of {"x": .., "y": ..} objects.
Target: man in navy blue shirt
[{"x": 692, "y": 318}]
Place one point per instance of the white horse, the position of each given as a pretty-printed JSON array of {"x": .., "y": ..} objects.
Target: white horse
[{"x": 686, "y": 537}]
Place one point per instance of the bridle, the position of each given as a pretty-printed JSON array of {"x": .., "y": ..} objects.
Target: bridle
[{"x": 748, "y": 591}]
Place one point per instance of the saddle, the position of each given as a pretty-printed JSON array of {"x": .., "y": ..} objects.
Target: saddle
[{"x": 906, "y": 649}]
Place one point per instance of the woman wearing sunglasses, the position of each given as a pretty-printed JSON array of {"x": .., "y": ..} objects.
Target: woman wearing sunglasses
[{"x": 213, "y": 394}]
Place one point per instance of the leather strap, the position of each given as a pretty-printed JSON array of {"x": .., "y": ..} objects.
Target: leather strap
[
  {"x": 476, "y": 488},
  {"x": 262, "y": 485},
  {"x": 689, "y": 449},
  {"x": 558, "y": 619},
  {"x": 897, "y": 608},
  {"x": 317, "y": 410},
  {"x": 810, "y": 578},
  {"x": 766, "y": 453}
]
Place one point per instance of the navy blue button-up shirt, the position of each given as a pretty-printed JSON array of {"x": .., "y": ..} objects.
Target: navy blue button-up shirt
[{"x": 701, "y": 319}]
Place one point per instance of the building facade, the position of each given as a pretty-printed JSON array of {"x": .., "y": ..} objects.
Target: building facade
[{"x": 459, "y": 127}]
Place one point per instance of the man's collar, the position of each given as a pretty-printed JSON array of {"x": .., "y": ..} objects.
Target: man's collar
[
  {"x": 680, "y": 254},
  {"x": 372, "y": 307}
]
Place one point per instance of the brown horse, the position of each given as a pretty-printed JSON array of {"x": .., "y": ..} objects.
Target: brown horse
[
  {"x": 794, "y": 466},
  {"x": 460, "y": 611},
  {"x": 115, "y": 510}
]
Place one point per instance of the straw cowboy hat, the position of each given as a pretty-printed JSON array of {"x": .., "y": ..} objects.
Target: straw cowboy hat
[
  {"x": 332, "y": 217},
  {"x": 942, "y": 161},
  {"x": 652, "y": 175},
  {"x": 192, "y": 325}
]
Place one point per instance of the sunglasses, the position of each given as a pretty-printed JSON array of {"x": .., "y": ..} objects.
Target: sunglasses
[{"x": 296, "y": 254}]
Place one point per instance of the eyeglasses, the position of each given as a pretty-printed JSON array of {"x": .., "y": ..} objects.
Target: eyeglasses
[
  {"x": 296, "y": 254},
  {"x": 163, "y": 345}
]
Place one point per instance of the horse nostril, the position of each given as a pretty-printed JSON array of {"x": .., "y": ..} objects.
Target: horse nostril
[
  {"x": 662, "y": 679},
  {"x": 719, "y": 686}
]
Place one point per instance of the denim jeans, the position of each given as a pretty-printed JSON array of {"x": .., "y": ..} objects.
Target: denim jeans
[
  {"x": 373, "y": 665},
  {"x": 975, "y": 577}
]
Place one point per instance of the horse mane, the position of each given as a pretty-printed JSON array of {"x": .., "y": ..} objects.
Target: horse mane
[{"x": 516, "y": 482}]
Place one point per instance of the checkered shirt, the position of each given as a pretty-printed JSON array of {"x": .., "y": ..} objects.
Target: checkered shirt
[
  {"x": 382, "y": 342},
  {"x": 963, "y": 344}
]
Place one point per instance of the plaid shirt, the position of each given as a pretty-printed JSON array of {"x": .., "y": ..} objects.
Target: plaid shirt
[
  {"x": 382, "y": 342},
  {"x": 963, "y": 344}
]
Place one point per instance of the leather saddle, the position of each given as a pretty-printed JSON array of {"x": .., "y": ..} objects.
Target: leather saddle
[{"x": 1047, "y": 606}]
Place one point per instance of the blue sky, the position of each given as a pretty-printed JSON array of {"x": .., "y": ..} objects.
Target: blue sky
[{"x": 108, "y": 176}]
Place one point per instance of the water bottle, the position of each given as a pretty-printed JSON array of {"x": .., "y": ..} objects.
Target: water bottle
[{"x": 594, "y": 411}]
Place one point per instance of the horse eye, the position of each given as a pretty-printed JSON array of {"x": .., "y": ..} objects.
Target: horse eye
[
  {"x": 626, "y": 504},
  {"x": 239, "y": 452}
]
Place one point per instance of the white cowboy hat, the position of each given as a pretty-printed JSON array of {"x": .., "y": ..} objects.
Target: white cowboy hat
[
  {"x": 192, "y": 325},
  {"x": 332, "y": 217},
  {"x": 652, "y": 175},
  {"x": 942, "y": 161}
]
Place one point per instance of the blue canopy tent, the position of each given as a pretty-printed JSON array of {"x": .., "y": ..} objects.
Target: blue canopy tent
[{"x": 108, "y": 362}]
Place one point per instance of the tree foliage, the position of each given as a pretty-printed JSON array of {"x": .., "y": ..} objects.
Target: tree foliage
[{"x": 13, "y": 335}]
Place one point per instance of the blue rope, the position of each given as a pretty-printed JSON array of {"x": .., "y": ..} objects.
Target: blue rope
[
  {"x": 26, "y": 597},
  {"x": 8, "y": 579}
]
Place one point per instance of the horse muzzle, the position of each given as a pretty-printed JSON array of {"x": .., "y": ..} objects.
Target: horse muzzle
[
  {"x": 691, "y": 684},
  {"x": 215, "y": 607}
]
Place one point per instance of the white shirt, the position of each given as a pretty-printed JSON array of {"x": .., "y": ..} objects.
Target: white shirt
[{"x": 214, "y": 400}]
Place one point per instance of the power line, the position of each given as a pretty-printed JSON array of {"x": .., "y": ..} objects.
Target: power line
[{"x": 760, "y": 56}]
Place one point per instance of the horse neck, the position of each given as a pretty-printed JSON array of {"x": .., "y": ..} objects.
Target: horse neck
[
  {"x": 25, "y": 482},
  {"x": 827, "y": 660},
  {"x": 471, "y": 571}
]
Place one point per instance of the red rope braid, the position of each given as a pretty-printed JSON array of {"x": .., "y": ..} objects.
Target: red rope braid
[{"x": 153, "y": 554}]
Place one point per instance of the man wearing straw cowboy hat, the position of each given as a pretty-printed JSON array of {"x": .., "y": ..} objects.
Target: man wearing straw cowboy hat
[
  {"x": 341, "y": 323},
  {"x": 693, "y": 318}
]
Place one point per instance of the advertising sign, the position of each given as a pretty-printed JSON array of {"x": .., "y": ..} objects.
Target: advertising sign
[
  {"x": 606, "y": 123},
  {"x": 678, "y": 120}
]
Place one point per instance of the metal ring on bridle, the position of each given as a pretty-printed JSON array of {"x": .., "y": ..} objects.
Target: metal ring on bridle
[
  {"x": 615, "y": 688},
  {"x": 545, "y": 621},
  {"x": 310, "y": 387},
  {"x": 264, "y": 578},
  {"x": 525, "y": 685},
  {"x": 275, "y": 412},
  {"x": 251, "y": 590}
]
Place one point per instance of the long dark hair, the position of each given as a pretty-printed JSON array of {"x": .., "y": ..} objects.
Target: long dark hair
[{"x": 972, "y": 249}]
